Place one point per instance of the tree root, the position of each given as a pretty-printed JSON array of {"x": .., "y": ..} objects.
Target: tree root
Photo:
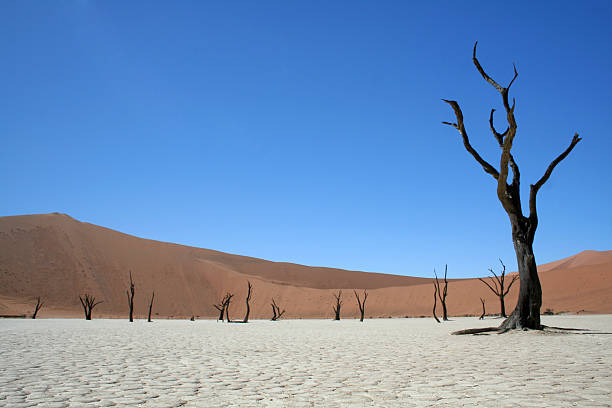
[{"x": 502, "y": 330}]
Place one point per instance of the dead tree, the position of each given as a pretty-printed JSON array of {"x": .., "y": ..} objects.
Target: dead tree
[
  {"x": 498, "y": 286},
  {"x": 248, "y": 299},
  {"x": 276, "y": 312},
  {"x": 151, "y": 307},
  {"x": 226, "y": 306},
  {"x": 361, "y": 303},
  {"x": 88, "y": 302},
  {"x": 442, "y": 292},
  {"x": 221, "y": 305},
  {"x": 435, "y": 302},
  {"x": 338, "y": 305},
  {"x": 38, "y": 306},
  {"x": 130, "y": 296},
  {"x": 483, "y": 309},
  {"x": 526, "y": 315}
]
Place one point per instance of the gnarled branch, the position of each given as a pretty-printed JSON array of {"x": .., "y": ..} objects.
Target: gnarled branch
[
  {"x": 533, "y": 214},
  {"x": 466, "y": 141}
]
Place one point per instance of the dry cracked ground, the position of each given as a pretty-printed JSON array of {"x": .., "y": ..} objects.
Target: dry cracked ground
[{"x": 302, "y": 363}]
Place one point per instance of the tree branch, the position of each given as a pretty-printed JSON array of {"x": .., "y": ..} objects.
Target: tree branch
[
  {"x": 466, "y": 141},
  {"x": 514, "y": 279},
  {"x": 535, "y": 187},
  {"x": 484, "y": 74},
  {"x": 490, "y": 287}
]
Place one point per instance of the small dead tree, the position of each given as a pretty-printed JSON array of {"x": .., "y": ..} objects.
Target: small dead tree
[
  {"x": 361, "y": 303},
  {"x": 38, "y": 306},
  {"x": 130, "y": 296},
  {"x": 221, "y": 305},
  {"x": 498, "y": 286},
  {"x": 442, "y": 292},
  {"x": 435, "y": 302},
  {"x": 151, "y": 307},
  {"x": 526, "y": 315},
  {"x": 248, "y": 299},
  {"x": 276, "y": 312},
  {"x": 88, "y": 302},
  {"x": 483, "y": 309},
  {"x": 338, "y": 305},
  {"x": 228, "y": 300}
]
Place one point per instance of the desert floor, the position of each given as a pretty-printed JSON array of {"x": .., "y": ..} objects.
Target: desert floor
[{"x": 302, "y": 363}]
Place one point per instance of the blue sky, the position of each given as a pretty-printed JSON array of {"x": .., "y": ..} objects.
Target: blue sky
[{"x": 307, "y": 132}]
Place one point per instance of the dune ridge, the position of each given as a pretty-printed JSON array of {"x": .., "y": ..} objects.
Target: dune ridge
[{"x": 58, "y": 258}]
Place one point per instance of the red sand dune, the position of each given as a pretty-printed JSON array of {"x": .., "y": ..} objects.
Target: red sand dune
[{"x": 57, "y": 257}]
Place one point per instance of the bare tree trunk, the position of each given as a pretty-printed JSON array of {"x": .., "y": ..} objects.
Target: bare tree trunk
[
  {"x": 526, "y": 315},
  {"x": 435, "y": 302},
  {"x": 361, "y": 303},
  {"x": 338, "y": 305},
  {"x": 38, "y": 306},
  {"x": 248, "y": 307},
  {"x": 130, "y": 296},
  {"x": 151, "y": 307},
  {"x": 442, "y": 292},
  {"x": 483, "y": 309},
  {"x": 227, "y": 304},
  {"x": 276, "y": 312}
]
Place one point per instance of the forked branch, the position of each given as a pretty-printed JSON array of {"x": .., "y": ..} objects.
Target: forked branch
[{"x": 39, "y": 305}]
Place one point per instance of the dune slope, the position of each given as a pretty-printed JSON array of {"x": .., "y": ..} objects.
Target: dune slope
[{"x": 59, "y": 258}]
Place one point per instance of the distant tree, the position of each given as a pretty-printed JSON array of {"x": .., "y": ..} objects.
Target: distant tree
[
  {"x": 88, "y": 302},
  {"x": 151, "y": 306},
  {"x": 442, "y": 292},
  {"x": 276, "y": 312},
  {"x": 361, "y": 303},
  {"x": 248, "y": 299},
  {"x": 38, "y": 306},
  {"x": 526, "y": 315},
  {"x": 222, "y": 305},
  {"x": 498, "y": 286},
  {"x": 130, "y": 296},
  {"x": 338, "y": 305},
  {"x": 435, "y": 302},
  {"x": 483, "y": 309},
  {"x": 226, "y": 307}
]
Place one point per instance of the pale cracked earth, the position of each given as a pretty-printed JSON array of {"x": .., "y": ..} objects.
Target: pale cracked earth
[{"x": 301, "y": 363}]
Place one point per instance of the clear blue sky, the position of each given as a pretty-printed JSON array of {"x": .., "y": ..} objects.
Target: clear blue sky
[{"x": 307, "y": 132}]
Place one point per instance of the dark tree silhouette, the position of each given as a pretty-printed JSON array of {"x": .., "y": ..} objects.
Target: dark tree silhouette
[
  {"x": 435, "y": 302},
  {"x": 442, "y": 292},
  {"x": 228, "y": 300},
  {"x": 248, "y": 299},
  {"x": 38, "y": 306},
  {"x": 498, "y": 286},
  {"x": 483, "y": 309},
  {"x": 361, "y": 303},
  {"x": 276, "y": 312},
  {"x": 222, "y": 305},
  {"x": 338, "y": 305},
  {"x": 526, "y": 315},
  {"x": 88, "y": 302},
  {"x": 151, "y": 306},
  {"x": 130, "y": 296}
]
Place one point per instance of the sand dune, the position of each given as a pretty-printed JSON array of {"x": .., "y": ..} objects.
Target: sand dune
[{"x": 58, "y": 258}]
